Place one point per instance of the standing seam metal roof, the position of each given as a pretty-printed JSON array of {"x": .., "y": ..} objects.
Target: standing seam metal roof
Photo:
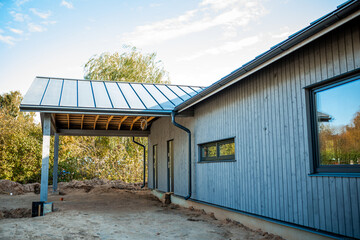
[{"x": 62, "y": 94}]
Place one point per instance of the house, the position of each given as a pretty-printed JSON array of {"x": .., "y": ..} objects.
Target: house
[{"x": 250, "y": 145}]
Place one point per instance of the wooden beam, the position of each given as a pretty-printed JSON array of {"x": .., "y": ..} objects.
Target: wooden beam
[
  {"x": 109, "y": 133},
  {"x": 108, "y": 121},
  {"x": 149, "y": 119},
  {"x": 68, "y": 119},
  {"x": 82, "y": 121},
  {"x": 122, "y": 120},
  {"x": 132, "y": 124},
  {"x": 96, "y": 118}
]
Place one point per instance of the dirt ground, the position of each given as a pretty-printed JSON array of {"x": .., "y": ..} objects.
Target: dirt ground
[{"x": 108, "y": 213}]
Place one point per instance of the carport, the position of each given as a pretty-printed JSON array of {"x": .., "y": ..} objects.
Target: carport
[{"x": 77, "y": 107}]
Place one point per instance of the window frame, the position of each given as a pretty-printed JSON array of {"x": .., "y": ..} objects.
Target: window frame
[
  {"x": 313, "y": 131},
  {"x": 217, "y": 158}
]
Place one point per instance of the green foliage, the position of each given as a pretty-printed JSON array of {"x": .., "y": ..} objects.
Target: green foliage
[
  {"x": 340, "y": 146},
  {"x": 129, "y": 66},
  {"x": 20, "y": 141}
]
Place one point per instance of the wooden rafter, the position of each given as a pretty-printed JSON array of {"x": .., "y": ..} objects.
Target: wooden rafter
[
  {"x": 68, "y": 120},
  {"x": 121, "y": 121},
  {"x": 96, "y": 118},
  {"x": 149, "y": 119},
  {"x": 132, "y": 124},
  {"x": 108, "y": 121},
  {"x": 82, "y": 121}
]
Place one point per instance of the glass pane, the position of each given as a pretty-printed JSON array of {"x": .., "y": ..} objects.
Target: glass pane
[
  {"x": 338, "y": 117},
  {"x": 208, "y": 151},
  {"x": 226, "y": 149}
]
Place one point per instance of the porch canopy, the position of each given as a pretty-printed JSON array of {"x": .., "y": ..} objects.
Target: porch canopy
[{"x": 98, "y": 108}]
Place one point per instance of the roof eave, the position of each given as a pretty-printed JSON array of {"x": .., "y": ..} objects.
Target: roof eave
[{"x": 97, "y": 111}]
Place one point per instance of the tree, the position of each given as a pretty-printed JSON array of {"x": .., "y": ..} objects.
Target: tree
[
  {"x": 20, "y": 141},
  {"x": 129, "y": 66},
  {"x": 111, "y": 157}
]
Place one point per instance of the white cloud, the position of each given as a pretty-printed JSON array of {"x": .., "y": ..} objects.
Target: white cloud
[
  {"x": 209, "y": 14},
  {"x": 43, "y": 15},
  {"x": 18, "y": 17},
  {"x": 7, "y": 39},
  {"x": 20, "y": 2},
  {"x": 48, "y": 22},
  {"x": 281, "y": 35},
  {"x": 17, "y": 31},
  {"x": 66, "y": 4},
  {"x": 32, "y": 27},
  {"x": 227, "y": 47},
  {"x": 1, "y": 4}
]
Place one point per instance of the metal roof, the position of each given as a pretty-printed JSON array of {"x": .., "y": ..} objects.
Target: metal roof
[
  {"x": 107, "y": 97},
  {"x": 348, "y": 10}
]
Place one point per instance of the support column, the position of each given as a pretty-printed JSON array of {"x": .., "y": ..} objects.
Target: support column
[
  {"x": 45, "y": 158},
  {"x": 55, "y": 168}
]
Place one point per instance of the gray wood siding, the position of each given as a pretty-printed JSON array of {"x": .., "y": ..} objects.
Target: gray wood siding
[
  {"x": 162, "y": 131},
  {"x": 266, "y": 113}
]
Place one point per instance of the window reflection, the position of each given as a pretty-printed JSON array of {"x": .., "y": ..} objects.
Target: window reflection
[
  {"x": 338, "y": 118},
  {"x": 209, "y": 151},
  {"x": 227, "y": 149}
]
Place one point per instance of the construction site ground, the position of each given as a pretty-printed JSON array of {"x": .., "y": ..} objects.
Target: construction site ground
[{"x": 106, "y": 212}]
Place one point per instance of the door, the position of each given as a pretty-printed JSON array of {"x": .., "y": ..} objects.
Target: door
[
  {"x": 170, "y": 161},
  {"x": 155, "y": 168}
]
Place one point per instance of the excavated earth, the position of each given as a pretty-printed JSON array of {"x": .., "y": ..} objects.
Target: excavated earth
[{"x": 101, "y": 209}]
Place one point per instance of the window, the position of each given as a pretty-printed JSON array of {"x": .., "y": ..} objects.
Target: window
[
  {"x": 334, "y": 111},
  {"x": 223, "y": 150}
]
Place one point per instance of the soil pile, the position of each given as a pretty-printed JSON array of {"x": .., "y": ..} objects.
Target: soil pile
[
  {"x": 15, "y": 213},
  {"x": 14, "y": 188},
  {"x": 99, "y": 185},
  {"x": 9, "y": 187}
]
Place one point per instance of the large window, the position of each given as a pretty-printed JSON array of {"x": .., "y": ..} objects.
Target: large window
[
  {"x": 223, "y": 150},
  {"x": 335, "y": 126}
]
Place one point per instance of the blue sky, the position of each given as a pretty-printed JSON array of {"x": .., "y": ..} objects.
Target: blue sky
[
  {"x": 198, "y": 41},
  {"x": 341, "y": 103}
]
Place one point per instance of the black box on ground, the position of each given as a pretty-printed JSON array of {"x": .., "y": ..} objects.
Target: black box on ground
[{"x": 37, "y": 209}]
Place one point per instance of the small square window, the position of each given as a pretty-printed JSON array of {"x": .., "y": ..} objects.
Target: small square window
[
  {"x": 223, "y": 150},
  {"x": 335, "y": 126}
]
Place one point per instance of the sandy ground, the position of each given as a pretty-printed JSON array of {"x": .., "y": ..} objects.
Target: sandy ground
[{"x": 116, "y": 214}]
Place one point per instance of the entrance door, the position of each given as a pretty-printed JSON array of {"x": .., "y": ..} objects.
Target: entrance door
[
  {"x": 170, "y": 160},
  {"x": 155, "y": 167}
]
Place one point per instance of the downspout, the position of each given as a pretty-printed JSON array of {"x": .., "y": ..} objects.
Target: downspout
[
  {"x": 189, "y": 134},
  {"x": 133, "y": 139}
]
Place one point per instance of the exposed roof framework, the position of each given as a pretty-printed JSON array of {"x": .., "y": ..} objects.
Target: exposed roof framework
[{"x": 89, "y": 107}]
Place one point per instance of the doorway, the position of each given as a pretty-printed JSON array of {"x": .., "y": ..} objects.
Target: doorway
[{"x": 170, "y": 161}]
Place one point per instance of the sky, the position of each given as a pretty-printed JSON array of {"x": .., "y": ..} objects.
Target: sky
[
  {"x": 342, "y": 103},
  {"x": 198, "y": 42}
]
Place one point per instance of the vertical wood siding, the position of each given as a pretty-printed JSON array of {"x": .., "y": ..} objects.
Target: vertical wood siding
[{"x": 266, "y": 114}]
